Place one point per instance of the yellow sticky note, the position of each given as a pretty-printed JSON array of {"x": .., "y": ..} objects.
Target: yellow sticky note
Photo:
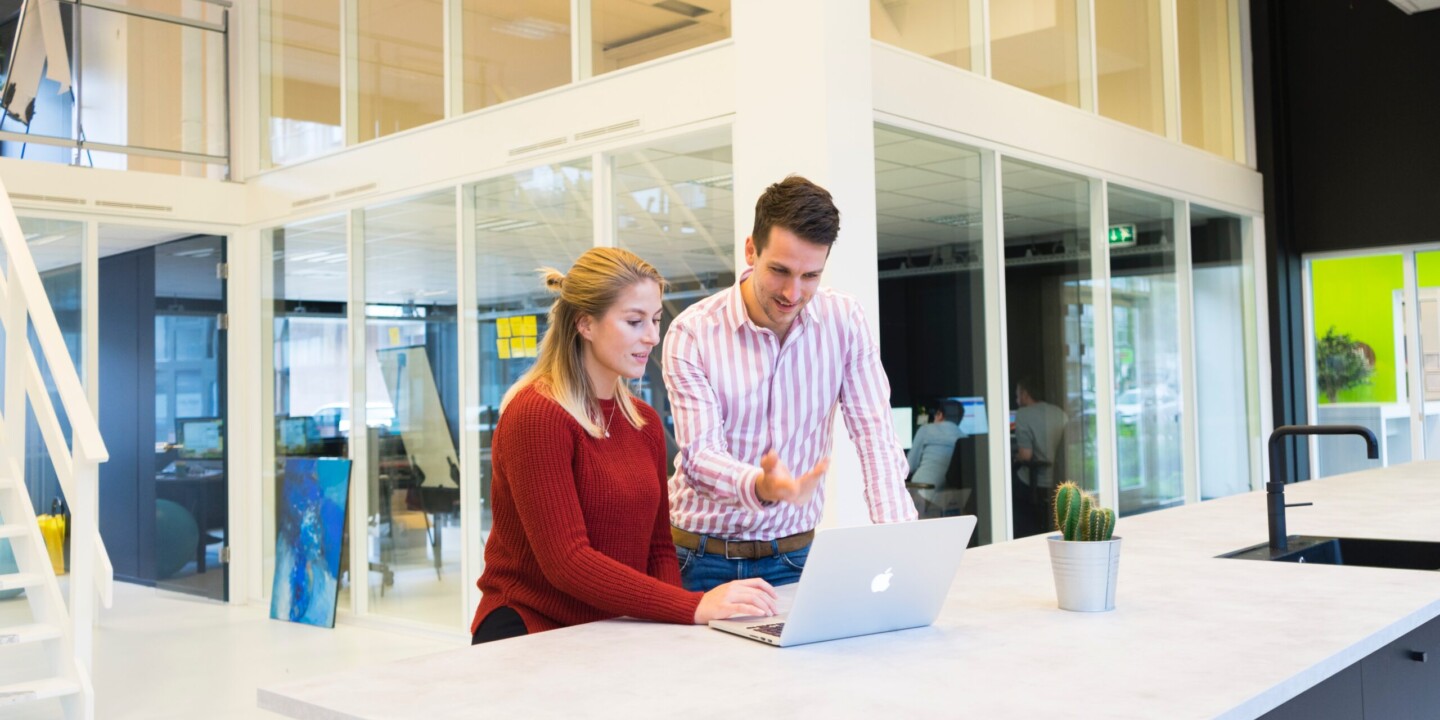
[
  {"x": 503, "y": 347},
  {"x": 530, "y": 346},
  {"x": 502, "y": 325},
  {"x": 517, "y": 347},
  {"x": 394, "y": 336},
  {"x": 527, "y": 325}
]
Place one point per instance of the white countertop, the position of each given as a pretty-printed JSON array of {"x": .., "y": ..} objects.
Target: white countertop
[{"x": 1192, "y": 636}]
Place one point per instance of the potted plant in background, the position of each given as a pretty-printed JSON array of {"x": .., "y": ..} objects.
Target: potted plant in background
[
  {"x": 1341, "y": 363},
  {"x": 1085, "y": 557}
]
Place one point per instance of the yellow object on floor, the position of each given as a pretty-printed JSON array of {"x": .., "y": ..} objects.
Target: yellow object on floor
[{"x": 52, "y": 528}]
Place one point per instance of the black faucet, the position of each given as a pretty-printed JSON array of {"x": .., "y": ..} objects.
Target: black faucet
[{"x": 1275, "y": 489}]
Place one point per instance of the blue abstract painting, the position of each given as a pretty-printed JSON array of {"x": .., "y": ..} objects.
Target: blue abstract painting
[{"x": 311, "y": 525}]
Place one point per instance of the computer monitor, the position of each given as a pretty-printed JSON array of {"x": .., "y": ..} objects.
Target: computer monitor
[
  {"x": 297, "y": 435},
  {"x": 976, "y": 421},
  {"x": 201, "y": 438},
  {"x": 904, "y": 420}
]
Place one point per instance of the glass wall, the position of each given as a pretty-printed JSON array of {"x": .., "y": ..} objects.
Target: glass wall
[
  {"x": 675, "y": 207},
  {"x": 57, "y": 247},
  {"x": 1357, "y": 308},
  {"x": 310, "y": 359},
  {"x": 1227, "y": 390},
  {"x": 1209, "y": 65},
  {"x": 303, "y": 79},
  {"x": 932, "y": 320},
  {"x": 937, "y": 29},
  {"x": 1129, "y": 65},
  {"x": 402, "y": 65},
  {"x": 1051, "y": 331},
  {"x": 541, "y": 217},
  {"x": 154, "y": 84},
  {"x": 412, "y": 408},
  {"x": 1146, "y": 342},
  {"x": 629, "y": 32},
  {"x": 513, "y": 49},
  {"x": 1035, "y": 45}
]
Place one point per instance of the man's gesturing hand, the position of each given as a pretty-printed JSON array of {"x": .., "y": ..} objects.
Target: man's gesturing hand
[{"x": 776, "y": 484}]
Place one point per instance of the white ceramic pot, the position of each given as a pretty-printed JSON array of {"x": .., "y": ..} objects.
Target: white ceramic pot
[{"x": 1085, "y": 573}]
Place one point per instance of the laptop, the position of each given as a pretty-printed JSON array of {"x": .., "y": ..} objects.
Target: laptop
[{"x": 864, "y": 580}]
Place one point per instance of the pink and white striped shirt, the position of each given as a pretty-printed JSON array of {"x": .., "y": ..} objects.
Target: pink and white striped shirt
[{"x": 736, "y": 392}]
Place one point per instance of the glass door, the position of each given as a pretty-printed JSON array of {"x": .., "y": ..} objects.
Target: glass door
[{"x": 189, "y": 440}]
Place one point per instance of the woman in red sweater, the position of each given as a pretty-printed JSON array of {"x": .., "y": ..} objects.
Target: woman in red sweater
[{"x": 581, "y": 516}]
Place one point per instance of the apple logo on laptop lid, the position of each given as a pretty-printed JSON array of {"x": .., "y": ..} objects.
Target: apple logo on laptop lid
[{"x": 881, "y": 583}]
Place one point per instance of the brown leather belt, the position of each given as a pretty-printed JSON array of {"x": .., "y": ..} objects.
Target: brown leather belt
[{"x": 740, "y": 549}]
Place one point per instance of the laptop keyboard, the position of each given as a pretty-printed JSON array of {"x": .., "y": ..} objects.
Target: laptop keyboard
[{"x": 771, "y": 629}]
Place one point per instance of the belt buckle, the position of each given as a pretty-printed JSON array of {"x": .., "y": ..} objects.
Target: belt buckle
[{"x": 728, "y": 556}]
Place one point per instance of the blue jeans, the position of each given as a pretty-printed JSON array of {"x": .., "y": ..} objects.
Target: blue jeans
[{"x": 704, "y": 571}]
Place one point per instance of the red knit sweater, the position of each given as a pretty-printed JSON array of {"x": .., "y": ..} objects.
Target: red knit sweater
[{"x": 581, "y": 524}]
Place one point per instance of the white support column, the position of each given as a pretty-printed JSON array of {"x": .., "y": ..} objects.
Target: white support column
[
  {"x": 1241, "y": 111},
  {"x": 1104, "y": 348},
  {"x": 350, "y": 71},
  {"x": 819, "y": 123},
  {"x": 1189, "y": 396},
  {"x": 248, "y": 428},
  {"x": 582, "y": 56},
  {"x": 472, "y": 500},
  {"x": 1414, "y": 374},
  {"x": 1000, "y": 524},
  {"x": 359, "y": 428},
  {"x": 980, "y": 37},
  {"x": 1170, "y": 66},
  {"x": 1258, "y": 402},
  {"x": 1085, "y": 30},
  {"x": 454, "y": 49},
  {"x": 1312, "y": 401}
]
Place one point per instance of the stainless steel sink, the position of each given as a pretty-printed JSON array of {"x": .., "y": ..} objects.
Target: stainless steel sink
[{"x": 1367, "y": 552}]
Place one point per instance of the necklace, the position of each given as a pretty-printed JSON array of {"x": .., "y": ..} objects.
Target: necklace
[{"x": 612, "y": 419}]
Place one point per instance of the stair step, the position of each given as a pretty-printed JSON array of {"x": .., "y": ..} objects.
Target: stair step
[
  {"x": 12, "y": 531},
  {"x": 20, "y": 580},
  {"x": 21, "y": 634},
  {"x": 24, "y": 692}
]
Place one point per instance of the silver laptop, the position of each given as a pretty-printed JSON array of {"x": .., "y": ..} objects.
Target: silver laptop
[{"x": 866, "y": 579}]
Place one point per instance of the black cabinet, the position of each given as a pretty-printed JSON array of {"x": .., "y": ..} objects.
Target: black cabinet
[{"x": 1400, "y": 681}]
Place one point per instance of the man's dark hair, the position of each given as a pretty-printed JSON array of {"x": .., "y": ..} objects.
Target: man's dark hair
[
  {"x": 1031, "y": 387},
  {"x": 954, "y": 411},
  {"x": 800, "y": 206}
]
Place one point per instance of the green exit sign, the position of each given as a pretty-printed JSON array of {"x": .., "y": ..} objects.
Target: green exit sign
[{"x": 1122, "y": 235}]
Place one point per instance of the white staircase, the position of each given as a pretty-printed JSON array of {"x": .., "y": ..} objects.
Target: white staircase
[{"x": 65, "y": 635}]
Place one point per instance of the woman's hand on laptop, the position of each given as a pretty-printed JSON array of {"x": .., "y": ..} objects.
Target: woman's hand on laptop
[{"x": 752, "y": 597}]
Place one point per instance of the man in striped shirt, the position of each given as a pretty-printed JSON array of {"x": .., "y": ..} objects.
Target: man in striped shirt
[{"x": 755, "y": 375}]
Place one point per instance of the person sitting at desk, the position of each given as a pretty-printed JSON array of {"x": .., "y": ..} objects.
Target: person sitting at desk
[
  {"x": 1039, "y": 432},
  {"x": 934, "y": 444},
  {"x": 582, "y": 519}
]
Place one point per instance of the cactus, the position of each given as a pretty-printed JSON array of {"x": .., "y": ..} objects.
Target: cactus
[
  {"x": 1068, "y": 506},
  {"x": 1079, "y": 517}
]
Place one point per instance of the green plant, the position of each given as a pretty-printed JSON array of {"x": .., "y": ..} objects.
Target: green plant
[
  {"x": 1340, "y": 364},
  {"x": 1079, "y": 517}
]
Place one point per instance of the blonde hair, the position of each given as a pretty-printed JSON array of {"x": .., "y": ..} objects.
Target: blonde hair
[{"x": 593, "y": 284}]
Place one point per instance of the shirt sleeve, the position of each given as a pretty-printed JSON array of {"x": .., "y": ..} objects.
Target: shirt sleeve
[
  {"x": 705, "y": 460},
  {"x": 549, "y": 511},
  {"x": 865, "y": 404}
]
